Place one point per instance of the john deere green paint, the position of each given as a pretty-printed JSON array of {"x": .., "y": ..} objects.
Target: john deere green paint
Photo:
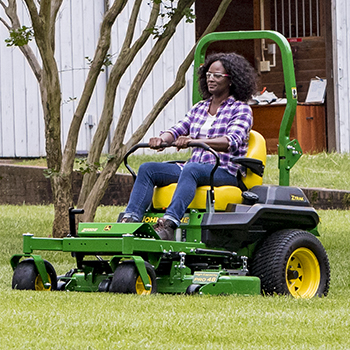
[{"x": 242, "y": 243}]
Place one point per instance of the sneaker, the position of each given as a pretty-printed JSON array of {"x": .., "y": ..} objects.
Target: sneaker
[
  {"x": 127, "y": 219},
  {"x": 165, "y": 229}
]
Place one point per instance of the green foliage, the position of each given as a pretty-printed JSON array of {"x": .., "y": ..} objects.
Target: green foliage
[
  {"x": 106, "y": 62},
  {"x": 189, "y": 15},
  {"x": 49, "y": 173},
  {"x": 20, "y": 36},
  {"x": 70, "y": 99},
  {"x": 84, "y": 167},
  {"x": 168, "y": 10}
]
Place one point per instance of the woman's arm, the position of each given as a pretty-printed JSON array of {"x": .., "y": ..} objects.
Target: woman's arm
[{"x": 219, "y": 144}]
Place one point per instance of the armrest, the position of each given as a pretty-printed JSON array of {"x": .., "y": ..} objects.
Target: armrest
[{"x": 255, "y": 165}]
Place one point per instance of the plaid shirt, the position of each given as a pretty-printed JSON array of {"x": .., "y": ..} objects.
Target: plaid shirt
[{"x": 233, "y": 119}]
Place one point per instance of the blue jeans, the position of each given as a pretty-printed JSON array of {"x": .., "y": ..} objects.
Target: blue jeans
[{"x": 188, "y": 178}]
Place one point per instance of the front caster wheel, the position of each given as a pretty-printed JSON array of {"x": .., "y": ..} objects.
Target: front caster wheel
[
  {"x": 126, "y": 279},
  {"x": 26, "y": 276},
  {"x": 292, "y": 262},
  {"x": 193, "y": 289}
]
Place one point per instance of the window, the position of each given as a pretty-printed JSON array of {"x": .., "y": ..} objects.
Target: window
[{"x": 296, "y": 18}]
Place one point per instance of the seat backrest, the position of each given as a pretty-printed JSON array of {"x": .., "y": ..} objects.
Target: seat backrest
[{"x": 256, "y": 150}]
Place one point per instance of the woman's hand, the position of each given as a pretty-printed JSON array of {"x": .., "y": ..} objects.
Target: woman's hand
[
  {"x": 182, "y": 142},
  {"x": 155, "y": 142}
]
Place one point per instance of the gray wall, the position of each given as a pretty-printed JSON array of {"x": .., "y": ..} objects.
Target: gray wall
[
  {"x": 21, "y": 122},
  {"x": 341, "y": 42}
]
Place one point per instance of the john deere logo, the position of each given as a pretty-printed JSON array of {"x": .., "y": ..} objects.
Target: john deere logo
[
  {"x": 107, "y": 228},
  {"x": 296, "y": 198},
  {"x": 89, "y": 229}
]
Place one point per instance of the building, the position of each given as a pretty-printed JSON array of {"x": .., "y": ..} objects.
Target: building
[{"x": 317, "y": 31}]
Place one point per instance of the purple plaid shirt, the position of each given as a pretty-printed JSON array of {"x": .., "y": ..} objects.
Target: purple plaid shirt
[{"x": 233, "y": 119}]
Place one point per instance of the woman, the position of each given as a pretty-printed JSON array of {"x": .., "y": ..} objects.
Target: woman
[{"x": 223, "y": 121}]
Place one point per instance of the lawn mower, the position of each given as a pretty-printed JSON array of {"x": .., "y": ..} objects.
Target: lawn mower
[{"x": 243, "y": 240}]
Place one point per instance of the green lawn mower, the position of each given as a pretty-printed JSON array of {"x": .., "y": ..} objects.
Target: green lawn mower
[{"x": 244, "y": 240}]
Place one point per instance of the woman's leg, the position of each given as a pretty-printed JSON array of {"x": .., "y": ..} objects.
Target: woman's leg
[
  {"x": 192, "y": 176},
  {"x": 149, "y": 175}
]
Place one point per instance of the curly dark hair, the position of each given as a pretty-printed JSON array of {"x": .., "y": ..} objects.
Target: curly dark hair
[{"x": 242, "y": 75}]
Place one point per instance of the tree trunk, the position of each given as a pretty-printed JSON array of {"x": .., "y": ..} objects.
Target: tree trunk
[
  {"x": 100, "y": 186},
  {"x": 62, "y": 194},
  {"x": 60, "y": 164},
  {"x": 60, "y": 180}
]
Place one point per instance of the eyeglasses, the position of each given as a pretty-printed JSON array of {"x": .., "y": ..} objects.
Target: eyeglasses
[{"x": 216, "y": 76}]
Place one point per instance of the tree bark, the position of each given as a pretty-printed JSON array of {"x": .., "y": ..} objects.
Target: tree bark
[
  {"x": 118, "y": 149},
  {"x": 124, "y": 60},
  {"x": 43, "y": 15}
]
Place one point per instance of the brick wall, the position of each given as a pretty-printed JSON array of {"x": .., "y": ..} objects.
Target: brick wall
[{"x": 26, "y": 184}]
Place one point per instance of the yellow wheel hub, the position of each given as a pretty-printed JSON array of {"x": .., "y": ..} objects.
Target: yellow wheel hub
[
  {"x": 39, "y": 285},
  {"x": 303, "y": 273},
  {"x": 140, "y": 288}
]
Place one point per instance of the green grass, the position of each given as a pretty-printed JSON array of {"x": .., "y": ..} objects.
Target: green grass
[
  {"x": 328, "y": 170},
  {"x": 63, "y": 320}
]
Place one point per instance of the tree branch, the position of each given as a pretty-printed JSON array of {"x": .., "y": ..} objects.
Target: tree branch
[
  {"x": 3, "y": 4},
  {"x": 90, "y": 83},
  {"x": 5, "y": 24},
  {"x": 55, "y": 6},
  {"x": 132, "y": 23},
  {"x": 11, "y": 12},
  {"x": 179, "y": 81},
  {"x": 146, "y": 33},
  {"x": 94, "y": 196},
  {"x": 144, "y": 72},
  {"x": 45, "y": 10},
  {"x": 124, "y": 60},
  {"x": 33, "y": 11}
]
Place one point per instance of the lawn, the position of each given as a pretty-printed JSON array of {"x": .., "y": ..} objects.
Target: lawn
[{"x": 62, "y": 320}]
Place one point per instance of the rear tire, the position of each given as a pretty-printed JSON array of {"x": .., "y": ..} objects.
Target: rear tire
[
  {"x": 292, "y": 262},
  {"x": 26, "y": 276},
  {"x": 126, "y": 279}
]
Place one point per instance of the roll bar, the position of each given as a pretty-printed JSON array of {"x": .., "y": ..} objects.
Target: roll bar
[{"x": 289, "y": 151}]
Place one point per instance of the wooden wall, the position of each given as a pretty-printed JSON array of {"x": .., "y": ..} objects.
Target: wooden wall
[
  {"x": 239, "y": 16},
  {"x": 309, "y": 61},
  {"x": 309, "y": 54}
]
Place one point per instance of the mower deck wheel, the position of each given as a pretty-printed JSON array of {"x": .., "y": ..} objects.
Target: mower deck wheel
[
  {"x": 126, "y": 279},
  {"x": 193, "y": 289},
  {"x": 26, "y": 276}
]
